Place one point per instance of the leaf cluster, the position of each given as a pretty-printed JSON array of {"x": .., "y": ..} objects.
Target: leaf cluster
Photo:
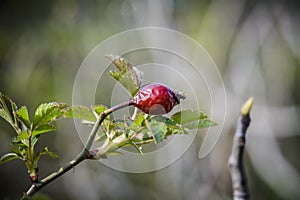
[
  {"x": 146, "y": 129},
  {"x": 137, "y": 130},
  {"x": 28, "y": 131}
]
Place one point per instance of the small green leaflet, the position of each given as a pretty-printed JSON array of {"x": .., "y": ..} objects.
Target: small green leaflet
[
  {"x": 139, "y": 120},
  {"x": 45, "y": 128},
  {"x": 7, "y": 111},
  {"x": 99, "y": 109},
  {"x": 80, "y": 112},
  {"x": 45, "y": 151},
  {"x": 22, "y": 115},
  {"x": 159, "y": 131},
  {"x": 127, "y": 75},
  {"x": 22, "y": 139},
  {"x": 22, "y": 136},
  {"x": 48, "y": 152},
  {"x": 192, "y": 119},
  {"x": 17, "y": 151},
  {"x": 8, "y": 157},
  {"x": 48, "y": 112}
]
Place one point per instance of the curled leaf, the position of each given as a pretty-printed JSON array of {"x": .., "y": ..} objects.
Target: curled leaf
[
  {"x": 127, "y": 75},
  {"x": 8, "y": 110},
  {"x": 8, "y": 157}
]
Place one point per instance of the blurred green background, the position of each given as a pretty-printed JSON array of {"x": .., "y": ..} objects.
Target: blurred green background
[{"x": 255, "y": 45}]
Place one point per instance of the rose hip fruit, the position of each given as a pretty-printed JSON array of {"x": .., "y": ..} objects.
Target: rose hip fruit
[{"x": 155, "y": 99}]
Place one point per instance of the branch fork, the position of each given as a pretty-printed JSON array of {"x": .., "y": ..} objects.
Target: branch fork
[{"x": 86, "y": 152}]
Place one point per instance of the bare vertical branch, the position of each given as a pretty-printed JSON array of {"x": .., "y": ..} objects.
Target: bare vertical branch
[{"x": 235, "y": 162}]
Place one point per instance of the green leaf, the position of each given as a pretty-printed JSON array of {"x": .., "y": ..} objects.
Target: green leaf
[
  {"x": 24, "y": 143},
  {"x": 6, "y": 116},
  {"x": 21, "y": 140},
  {"x": 17, "y": 151},
  {"x": 139, "y": 120},
  {"x": 45, "y": 151},
  {"x": 7, "y": 111},
  {"x": 50, "y": 153},
  {"x": 48, "y": 112},
  {"x": 8, "y": 157},
  {"x": 99, "y": 109},
  {"x": 127, "y": 75},
  {"x": 186, "y": 116},
  {"x": 80, "y": 112},
  {"x": 22, "y": 115},
  {"x": 34, "y": 141},
  {"x": 172, "y": 127},
  {"x": 23, "y": 136},
  {"x": 43, "y": 129},
  {"x": 192, "y": 119},
  {"x": 158, "y": 130},
  {"x": 203, "y": 123},
  {"x": 163, "y": 119}
]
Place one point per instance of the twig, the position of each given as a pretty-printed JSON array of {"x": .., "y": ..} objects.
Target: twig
[
  {"x": 135, "y": 112},
  {"x": 235, "y": 162},
  {"x": 84, "y": 154}
]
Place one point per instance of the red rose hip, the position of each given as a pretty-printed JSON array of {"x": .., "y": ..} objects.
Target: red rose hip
[{"x": 155, "y": 99}]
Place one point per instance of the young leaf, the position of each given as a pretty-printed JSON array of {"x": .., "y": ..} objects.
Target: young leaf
[
  {"x": 99, "y": 109},
  {"x": 163, "y": 119},
  {"x": 7, "y": 111},
  {"x": 22, "y": 115},
  {"x": 158, "y": 130},
  {"x": 23, "y": 136},
  {"x": 48, "y": 112},
  {"x": 176, "y": 129},
  {"x": 23, "y": 143},
  {"x": 202, "y": 123},
  {"x": 45, "y": 151},
  {"x": 127, "y": 75},
  {"x": 17, "y": 151},
  {"x": 50, "y": 153},
  {"x": 21, "y": 139},
  {"x": 80, "y": 112},
  {"x": 185, "y": 116},
  {"x": 8, "y": 157},
  {"x": 192, "y": 119},
  {"x": 43, "y": 129},
  {"x": 34, "y": 141},
  {"x": 139, "y": 120}
]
